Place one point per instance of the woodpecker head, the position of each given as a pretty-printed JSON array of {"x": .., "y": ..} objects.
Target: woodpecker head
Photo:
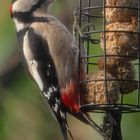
[{"x": 28, "y": 7}]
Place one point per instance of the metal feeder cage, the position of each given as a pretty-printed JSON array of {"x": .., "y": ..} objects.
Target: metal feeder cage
[{"x": 109, "y": 31}]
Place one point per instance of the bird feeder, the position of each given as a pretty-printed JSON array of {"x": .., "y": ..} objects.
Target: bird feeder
[{"x": 109, "y": 31}]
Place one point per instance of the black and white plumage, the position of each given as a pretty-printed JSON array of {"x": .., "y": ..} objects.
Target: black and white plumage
[{"x": 51, "y": 57}]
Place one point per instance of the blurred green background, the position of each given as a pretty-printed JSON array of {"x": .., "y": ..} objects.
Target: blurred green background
[{"x": 23, "y": 113}]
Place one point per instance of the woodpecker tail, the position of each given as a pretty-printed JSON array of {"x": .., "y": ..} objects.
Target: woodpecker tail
[
  {"x": 87, "y": 120},
  {"x": 65, "y": 129}
]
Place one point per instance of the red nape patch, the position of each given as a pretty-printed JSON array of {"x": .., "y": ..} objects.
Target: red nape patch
[
  {"x": 70, "y": 97},
  {"x": 10, "y": 10}
]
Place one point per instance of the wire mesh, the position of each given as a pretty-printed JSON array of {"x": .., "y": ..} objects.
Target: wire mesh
[{"x": 92, "y": 31}]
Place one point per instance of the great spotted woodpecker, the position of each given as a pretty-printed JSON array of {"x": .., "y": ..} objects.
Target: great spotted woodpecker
[{"x": 51, "y": 57}]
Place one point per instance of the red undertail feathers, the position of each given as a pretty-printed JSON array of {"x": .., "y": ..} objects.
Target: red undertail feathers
[{"x": 70, "y": 96}]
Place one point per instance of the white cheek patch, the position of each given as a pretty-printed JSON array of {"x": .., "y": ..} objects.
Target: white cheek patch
[
  {"x": 19, "y": 25},
  {"x": 23, "y": 5}
]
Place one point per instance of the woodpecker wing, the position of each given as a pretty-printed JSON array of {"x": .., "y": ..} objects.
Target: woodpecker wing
[{"x": 41, "y": 68}]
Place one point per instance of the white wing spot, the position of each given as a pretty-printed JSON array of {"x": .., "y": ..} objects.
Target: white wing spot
[
  {"x": 50, "y": 90},
  {"x": 48, "y": 73},
  {"x": 55, "y": 108},
  {"x": 54, "y": 88},
  {"x": 62, "y": 114},
  {"x": 57, "y": 100},
  {"x": 49, "y": 65},
  {"x": 47, "y": 95}
]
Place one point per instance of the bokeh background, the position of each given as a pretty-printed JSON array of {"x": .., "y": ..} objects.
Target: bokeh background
[{"x": 23, "y": 113}]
